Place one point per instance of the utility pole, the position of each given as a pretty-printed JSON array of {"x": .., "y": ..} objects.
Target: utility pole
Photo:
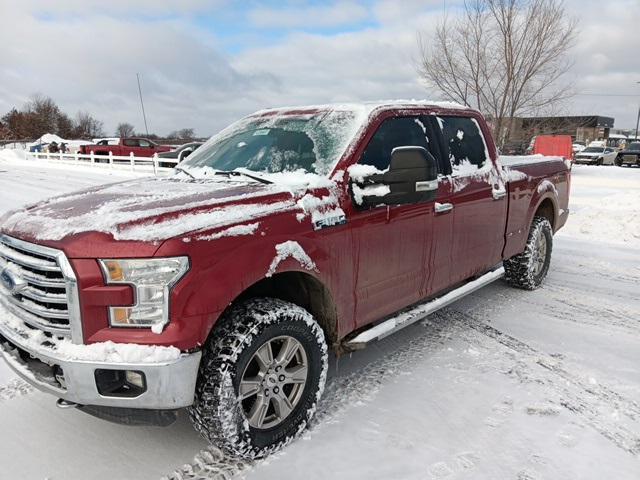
[
  {"x": 638, "y": 120},
  {"x": 144, "y": 116}
]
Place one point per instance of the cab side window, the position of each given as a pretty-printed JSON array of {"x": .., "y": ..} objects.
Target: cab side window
[
  {"x": 394, "y": 132},
  {"x": 131, "y": 142},
  {"x": 463, "y": 143}
]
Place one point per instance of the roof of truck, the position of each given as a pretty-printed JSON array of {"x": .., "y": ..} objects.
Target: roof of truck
[{"x": 367, "y": 106}]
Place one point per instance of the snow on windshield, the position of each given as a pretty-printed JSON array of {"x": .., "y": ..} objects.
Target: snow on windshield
[{"x": 275, "y": 141}]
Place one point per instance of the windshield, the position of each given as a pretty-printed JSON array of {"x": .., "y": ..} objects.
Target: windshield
[
  {"x": 634, "y": 146},
  {"x": 280, "y": 142},
  {"x": 593, "y": 150}
]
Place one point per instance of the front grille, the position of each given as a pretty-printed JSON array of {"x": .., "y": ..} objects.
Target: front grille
[
  {"x": 34, "y": 287},
  {"x": 629, "y": 158}
]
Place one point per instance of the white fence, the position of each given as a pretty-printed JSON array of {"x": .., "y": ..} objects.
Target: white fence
[{"x": 148, "y": 164}]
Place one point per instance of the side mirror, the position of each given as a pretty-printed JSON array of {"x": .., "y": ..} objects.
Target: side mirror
[{"x": 412, "y": 177}]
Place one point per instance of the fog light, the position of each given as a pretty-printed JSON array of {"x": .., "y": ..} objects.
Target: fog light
[
  {"x": 120, "y": 383},
  {"x": 135, "y": 378}
]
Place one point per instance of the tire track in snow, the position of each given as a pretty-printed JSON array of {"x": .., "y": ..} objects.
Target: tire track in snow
[
  {"x": 342, "y": 392},
  {"x": 561, "y": 303},
  {"x": 578, "y": 395}
]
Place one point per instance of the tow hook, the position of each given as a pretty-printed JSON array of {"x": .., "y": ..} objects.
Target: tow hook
[{"x": 62, "y": 403}]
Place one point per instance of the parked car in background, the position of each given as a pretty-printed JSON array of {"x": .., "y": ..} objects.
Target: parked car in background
[
  {"x": 222, "y": 287},
  {"x": 140, "y": 147},
  {"x": 553, "y": 145},
  {"x": 597, "y": 156},
  {"x": 181, "y": 152},
  {"x": 630, "y": 155}
]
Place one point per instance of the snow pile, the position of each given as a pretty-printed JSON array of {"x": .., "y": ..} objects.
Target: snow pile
[
  {"x": 9, "y": 154},
  {"x": 290, "y": 249},
  {"x": 162, "y": 229},
  {"x": 359, "y": 173},
  {"x": 64, "y": 349},
  {"x": 604, "y": 205},
  {"x": 234, "y": 231}
]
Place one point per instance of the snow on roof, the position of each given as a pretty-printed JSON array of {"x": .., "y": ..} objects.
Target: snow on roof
[{"x": 367, "y": 107}]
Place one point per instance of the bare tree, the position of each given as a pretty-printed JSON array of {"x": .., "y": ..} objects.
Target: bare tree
[
  {"x": 87, "y": 126},
  {"x": 503, "y": 57},
  {"x": 124, "y": 130},
  {"x": 182, "y": 134}
]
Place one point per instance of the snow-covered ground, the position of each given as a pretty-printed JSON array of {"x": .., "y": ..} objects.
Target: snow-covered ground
[{"x": 504, "y": 384}]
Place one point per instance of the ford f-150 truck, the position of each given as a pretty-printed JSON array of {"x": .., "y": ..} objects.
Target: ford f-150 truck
[
  {"x": 140, "y": 147},
  {"x": 292, "y": 233}
]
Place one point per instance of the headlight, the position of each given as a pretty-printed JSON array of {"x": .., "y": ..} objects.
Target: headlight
[{"x": 152, "y": 280}]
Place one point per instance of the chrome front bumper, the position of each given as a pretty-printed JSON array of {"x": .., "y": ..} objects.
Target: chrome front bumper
[{"x": 169, "y": 385}]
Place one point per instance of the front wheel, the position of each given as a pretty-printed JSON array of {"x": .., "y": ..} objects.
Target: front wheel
[
  {"x": 528, "y": 269},
  {"x": 261, "y": 376}
]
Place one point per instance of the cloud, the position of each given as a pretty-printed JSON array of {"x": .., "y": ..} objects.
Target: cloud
[
  {"x": 61, "y": 8},
  {"x": 86, "y": 57},
  {"x": 336, "y": 14}
]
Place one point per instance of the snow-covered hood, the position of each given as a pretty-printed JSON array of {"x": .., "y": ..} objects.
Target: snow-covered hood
[{"x": 149, "y": 209}]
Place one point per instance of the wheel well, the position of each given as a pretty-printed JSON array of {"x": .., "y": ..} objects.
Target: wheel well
[
  {"x": 547, "y": 210},
  {"x": 305, "y": 291}
]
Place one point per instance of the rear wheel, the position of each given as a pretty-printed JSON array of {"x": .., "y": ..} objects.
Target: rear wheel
[
  {"x": 261, "y": 376},
  {"x": 528, "y": 269}
]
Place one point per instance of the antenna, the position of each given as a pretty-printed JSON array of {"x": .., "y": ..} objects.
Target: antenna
[{"x": 144, "y": 116}]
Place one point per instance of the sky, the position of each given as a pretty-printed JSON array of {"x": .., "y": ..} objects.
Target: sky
[{"x": 206, "y": 63}]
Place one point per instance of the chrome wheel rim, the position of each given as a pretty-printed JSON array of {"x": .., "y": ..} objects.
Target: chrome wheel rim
[
  {"x": 273, "y": 382},
  {"x": 540, "y": 256}
]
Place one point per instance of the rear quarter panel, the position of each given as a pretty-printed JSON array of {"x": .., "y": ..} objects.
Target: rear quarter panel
[{"x": 545, "y": 179}]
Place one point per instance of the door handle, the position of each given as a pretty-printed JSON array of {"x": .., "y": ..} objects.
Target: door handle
[
  {"x": 443, "y": 207},
  {"x": 499, "y": 193}
]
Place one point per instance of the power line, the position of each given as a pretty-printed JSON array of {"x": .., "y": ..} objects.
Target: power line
[{"x": 608, "y": 94}]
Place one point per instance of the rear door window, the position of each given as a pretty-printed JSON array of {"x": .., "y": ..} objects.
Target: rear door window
[
  {"x": 464, "y": 144},
  {"x": 131, "y": 142}
]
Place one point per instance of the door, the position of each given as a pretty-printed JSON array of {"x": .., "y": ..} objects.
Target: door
[
  {"x": 610, "y": 155},
  {"x": 392, "y": 243},
  {"x": 146, "y": 148},
  {"x": 478, "y": 197}
]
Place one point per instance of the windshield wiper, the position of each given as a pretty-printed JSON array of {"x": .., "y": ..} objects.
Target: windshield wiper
[
  {"x": 180, "y": 169},
  {"x": 234, "y": 173}
]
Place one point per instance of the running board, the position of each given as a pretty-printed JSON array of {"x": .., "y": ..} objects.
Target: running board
[{"x": 386, "y": 328}]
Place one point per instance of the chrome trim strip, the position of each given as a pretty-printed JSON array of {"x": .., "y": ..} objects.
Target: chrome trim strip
[
  {"x": 40, "y": 296},
  {"x": 34, "y": 321},
  {"x": 10, "y": 254},
  {"x": 71, "y": 282},
  {"x": 33, "y": 279},
  {"x": 39, "y": 312}
]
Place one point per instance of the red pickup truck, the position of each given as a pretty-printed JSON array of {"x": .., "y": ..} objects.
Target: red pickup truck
[
  {"x": 140, "y": 147},
  {"x": 291, "y": 233}
]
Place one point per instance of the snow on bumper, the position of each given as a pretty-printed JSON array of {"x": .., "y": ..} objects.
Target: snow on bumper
[{"x": 68, "y": 371}]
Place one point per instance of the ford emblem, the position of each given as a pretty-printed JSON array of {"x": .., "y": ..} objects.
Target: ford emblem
[{"x": 11, "y": 282}]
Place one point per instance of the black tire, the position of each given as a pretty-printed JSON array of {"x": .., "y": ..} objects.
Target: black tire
[
  {"x": 618, "y": 162},
  {"x": 525, "y": 270},
  {"x": 218, "y": 413}
]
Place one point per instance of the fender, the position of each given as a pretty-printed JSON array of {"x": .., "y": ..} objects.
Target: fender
[{"x": 237, "y": 263}]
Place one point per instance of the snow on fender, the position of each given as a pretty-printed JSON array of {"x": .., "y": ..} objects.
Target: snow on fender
[{"x": 292, "y": 249}]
